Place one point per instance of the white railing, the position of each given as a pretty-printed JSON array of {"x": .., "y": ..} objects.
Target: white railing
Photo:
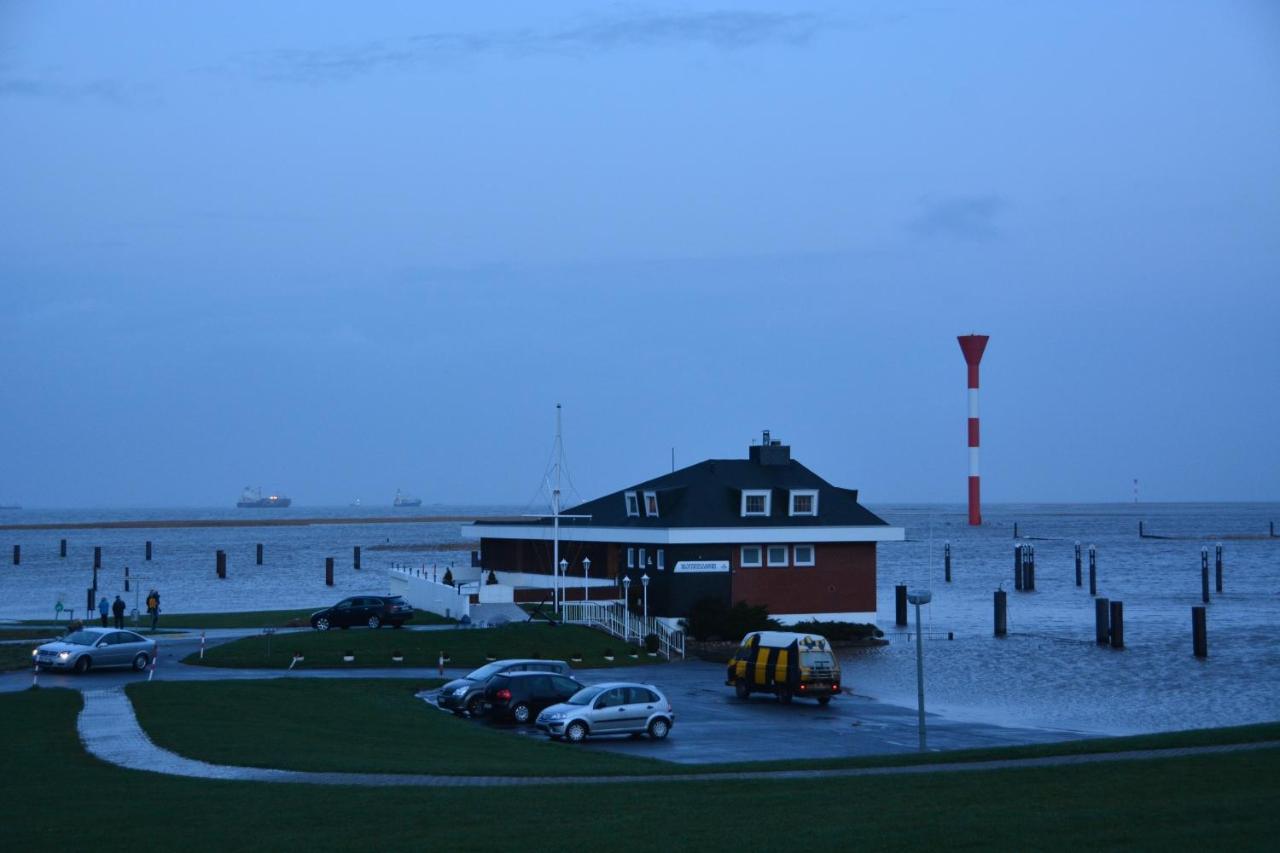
[{"x": 613, "y": 618}]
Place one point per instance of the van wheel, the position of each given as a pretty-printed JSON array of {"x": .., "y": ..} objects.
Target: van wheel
[
  {"x": 658, "y": 729},
  {"x": 824, "y": 700},
  {"x": 740, "y": 687},
  {"x": 784, "y": 695}
]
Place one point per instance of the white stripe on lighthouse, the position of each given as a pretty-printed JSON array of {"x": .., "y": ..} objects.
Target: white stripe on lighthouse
[
  {"x": 973, "y": 402},
  {"x": 973, "y": 461}
]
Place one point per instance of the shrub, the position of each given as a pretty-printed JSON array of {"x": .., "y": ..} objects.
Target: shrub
[
  {"x": 608, "y": 653},
  {"x": 492, "y": 579},
  {"x": 651, "y": 642},
  {"x": 447, "y": 580},
  {"x": 838, "y": 631},
  {"x": 709, "y": 618}
]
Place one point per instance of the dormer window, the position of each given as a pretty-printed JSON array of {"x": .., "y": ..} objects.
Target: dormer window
[
  {"x": 804, "y": 501},
  {"x": 651, "y": 504},
  {"x": 633, "y": 505},
  {"x": 756, "y": 502}
]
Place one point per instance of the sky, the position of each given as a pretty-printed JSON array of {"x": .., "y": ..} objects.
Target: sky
[{"x": 338, "y": 249}]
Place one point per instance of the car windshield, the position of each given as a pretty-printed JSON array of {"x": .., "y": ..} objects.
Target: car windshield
[
  {"x": 485, "y": 672},
  {"x": 81, "y": 638},
  {"x": 585, "y": 695}
]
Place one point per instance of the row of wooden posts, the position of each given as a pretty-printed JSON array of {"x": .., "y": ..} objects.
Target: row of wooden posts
[{"x": 1108, "y": 615}]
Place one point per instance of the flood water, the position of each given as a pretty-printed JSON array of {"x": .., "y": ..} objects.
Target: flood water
[{"x": 1048, "y": 672}]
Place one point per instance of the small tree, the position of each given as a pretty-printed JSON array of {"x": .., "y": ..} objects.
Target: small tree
[
  {"x": 493, "y": 578},
  {"x": 447, "y": 580}
]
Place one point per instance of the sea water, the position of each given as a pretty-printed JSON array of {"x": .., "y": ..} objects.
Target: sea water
[{"x": 1047, "y": 672}]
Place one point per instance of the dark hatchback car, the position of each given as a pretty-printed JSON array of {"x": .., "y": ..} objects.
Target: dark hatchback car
[
  {"x": 466, "y": 694},
  {"x": 519, "y": 696},
  {"x": 371, "y": 610}
]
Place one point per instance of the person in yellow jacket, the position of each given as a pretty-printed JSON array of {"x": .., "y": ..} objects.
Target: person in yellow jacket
[{"x": 153, "y": 607}]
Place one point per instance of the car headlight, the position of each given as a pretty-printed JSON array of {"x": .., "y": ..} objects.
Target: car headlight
[
  {"x": 63, "y": 655},
  {"x": 35, "y": 652},
  {"x": 458, "y": 691},
  {"x": 553, "y": 717}
]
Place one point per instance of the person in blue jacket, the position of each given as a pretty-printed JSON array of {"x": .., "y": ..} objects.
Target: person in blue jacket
[{"x": 104, "y": 607}]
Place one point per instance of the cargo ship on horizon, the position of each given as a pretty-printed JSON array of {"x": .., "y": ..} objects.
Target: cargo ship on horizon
[
  {"x": 253, "y": 499},
  {"x": 405, "y": 500}
]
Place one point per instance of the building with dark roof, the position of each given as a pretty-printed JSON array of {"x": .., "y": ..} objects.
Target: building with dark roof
[{"x": 765, "y": 530}]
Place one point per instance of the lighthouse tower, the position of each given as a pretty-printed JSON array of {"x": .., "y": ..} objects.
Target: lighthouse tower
[{"x": 973, "y": 346}]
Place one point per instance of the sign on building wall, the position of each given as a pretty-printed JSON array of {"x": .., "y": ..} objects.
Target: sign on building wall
[{"x": 702, "y": 566}]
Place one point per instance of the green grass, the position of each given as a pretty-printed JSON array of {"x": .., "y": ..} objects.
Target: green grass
[
  {"x": 465, "y": 647},
  {"x": 16, "y": 656},
  {"x": 249, "y": 619},
  {"x": 1194, "y": 804},
  {"x": 311, "y": 724}
]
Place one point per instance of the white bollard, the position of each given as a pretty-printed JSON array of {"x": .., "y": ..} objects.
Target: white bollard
[
  {"x": 35, "y": 676},
  {"x": 202, "y": 645},
  {"x": 154, "y": 659}
]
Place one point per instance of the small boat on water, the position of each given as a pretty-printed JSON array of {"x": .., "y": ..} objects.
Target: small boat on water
[
  {"x": 253, "y": 499},
  {"x": 406, "y": 500}
]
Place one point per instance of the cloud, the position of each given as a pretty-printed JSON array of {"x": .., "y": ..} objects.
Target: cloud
[
  {"x": 725, "y": 30},
  {"x": 973, "y": 218},
  {"x": 103, "y": 90}
]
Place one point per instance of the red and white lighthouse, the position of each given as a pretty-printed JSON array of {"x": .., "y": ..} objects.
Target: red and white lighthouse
[{"x": 973, "y": 346}]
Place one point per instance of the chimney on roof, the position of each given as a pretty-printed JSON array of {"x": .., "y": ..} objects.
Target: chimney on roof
[{"x": 770, "y": 452}]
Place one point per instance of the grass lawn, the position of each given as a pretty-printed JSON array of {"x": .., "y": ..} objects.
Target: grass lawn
[
  {"x": 308, "y": 724},
  {"x": 465, "y": 647},
  {"x": 253, "y": 619},
  {"x": 1199, "y": 803},
  {"x": 16, "y": 656}
]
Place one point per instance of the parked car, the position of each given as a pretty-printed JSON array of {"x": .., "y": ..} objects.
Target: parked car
[
  {"x": 614, "y": 708},
  {"x": 466, "y": 694},
  {"x": 519, "y": 696},
  {"x": 372, "y": 610},
  {"x": 785, "y": 664},
  {"x": 98, "y": 648}
]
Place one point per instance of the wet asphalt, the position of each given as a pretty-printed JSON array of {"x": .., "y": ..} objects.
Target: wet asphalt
[{"x": 712, "y": 725}]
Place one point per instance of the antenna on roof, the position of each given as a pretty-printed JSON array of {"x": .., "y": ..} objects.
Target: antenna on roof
[{"x": 673, "y": 459}]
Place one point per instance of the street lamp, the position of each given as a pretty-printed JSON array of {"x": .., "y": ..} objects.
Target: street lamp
[
  {"x": 564, "y": 565},
  {"x": 918, "y": 597},
  {"x": 586, "y": 584},
  {"x": 626, "y": 608},
  {"x": 644, "y": 582}
]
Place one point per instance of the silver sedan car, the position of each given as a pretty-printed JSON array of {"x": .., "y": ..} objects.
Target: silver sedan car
[
  {"x": 613, "y": 708},
  {"x": 97, "y": 648}
]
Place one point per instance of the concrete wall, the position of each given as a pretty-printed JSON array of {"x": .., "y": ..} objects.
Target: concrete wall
[{"x": 426, "y": 594}]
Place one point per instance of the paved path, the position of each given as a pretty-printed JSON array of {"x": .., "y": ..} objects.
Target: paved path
[{"x": 110, "y": 730}]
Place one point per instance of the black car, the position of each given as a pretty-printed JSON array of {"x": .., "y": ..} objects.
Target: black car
[
  {"x": 520, "y": 696},
  {"x": 466, "y": 694},
  {"x": 372, "y": 610}
]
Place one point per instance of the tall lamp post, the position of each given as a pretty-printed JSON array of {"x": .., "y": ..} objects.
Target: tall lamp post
[
  {"x": 644, "y": 582},
  {"x": 918, "y": 597},
  {"x": 564, "y": 566},
  {"x": 626, "y": 608},
  {"x": 586, "y": 584}
]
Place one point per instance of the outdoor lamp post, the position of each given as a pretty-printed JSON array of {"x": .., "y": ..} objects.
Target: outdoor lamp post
[
  {"x": 564, "y": 566},
  {"x": 586, "y": 584},
  {"x": 626, "y": 608},
  {"x": 918, "y": 597},
  {"x": 644, "y": 582}
]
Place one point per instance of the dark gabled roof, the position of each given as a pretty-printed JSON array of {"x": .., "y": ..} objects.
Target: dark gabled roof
[{"x": 709, "y": 494}]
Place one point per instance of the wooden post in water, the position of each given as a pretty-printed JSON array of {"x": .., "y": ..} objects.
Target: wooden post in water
[
  {"x": 1093, "y": 570},
  {"x": 1079, "y": 577},
  {"x": 1015, "y": 530},
  {"x": 900, "y": 605},
  {"x": 328, "y": 571},
  {"x": 126, "y": 578},
  {"x": 17, "y": 555},
  {"x": 1102, "y": 621},
  {"x": 1141, "y": 532},
  {"x": 1204, "y": 575},
  {"x": 1002, "y": 613},
  {"x": 1017, "y": 567},
  {"x": 1117, "y": 624},
  {"x": 97, "y": 557},
  {"x": 259, "y": 553},
  {"x": 355, "y": 558},
  {"x": 62, "y": 549},
  {"x": 1199, "y": 633},
  {"x": 1218, "y": 567},
  {"x": 1029, "y": 568},
  {"x": 946, "y": 561},
  {"x": 148, "y": 550},
  {"x": 222, "y": 564},
  {"x": 89, "y": 597}
]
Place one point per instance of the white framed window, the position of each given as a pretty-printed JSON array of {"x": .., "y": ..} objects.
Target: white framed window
[
  {"x": 633, "y": 505},
  {"x": 651, "y": 504},
  {"x": 751, "y": 556},
  {"x": 631, "y": 558},
  {"x": 777, "y": 555},
  {"x": 804, "y": 555},
  {"x": 642, "y": 564},
  {"x": 756, "y": 502},
  {"x": 662, "y": 560},
  {"x": 804, "y": 502}
]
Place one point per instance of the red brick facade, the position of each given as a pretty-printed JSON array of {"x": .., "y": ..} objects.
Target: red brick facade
[{"x": 843, "y": 580}]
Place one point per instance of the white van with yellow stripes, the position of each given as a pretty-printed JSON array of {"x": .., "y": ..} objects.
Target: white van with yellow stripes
[{"x": 785, "y": 664}]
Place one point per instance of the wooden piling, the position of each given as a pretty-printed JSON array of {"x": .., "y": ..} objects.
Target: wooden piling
[
  {"x": 90, "y": 600},
  {"x": 900, "y": 604},
  {"x": 148, "y": 550},
  {"x": 97, "y": 557},
  {"x": 1217, "y": 561},
  {"x": 62, "y": 549},
  {"x": 1204, "y": 575},
  {"x": 1117, "y": 624},
  {"x": 221, "y": 558},
  {"x": 946, "y": 561},
  {"x": 328, "y": 571},
  {"x": 1015, "y": 530},
  {"x": 1029, "y": 568},
  {"x": 1141, "y": 532},
  {"x": 259, "y": 553},
  {"x": 1002, "y": 613},
  {"x": 355, "y": 558},
  {"x": 1079, "y": 576},
  {"x": 1102, "y": 621},
  {"x": 126, "y": 578},
  {"x": 1199, "y": 632},
  {"x": 1093, "y": 570},
  {"x": 1017, "y": 567},
  {"x": 17, "y": 555}
]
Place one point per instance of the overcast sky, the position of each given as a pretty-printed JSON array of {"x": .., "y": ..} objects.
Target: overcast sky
[{"x": 335, "y": 249}]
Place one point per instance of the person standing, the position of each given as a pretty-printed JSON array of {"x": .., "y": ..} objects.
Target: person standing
[
  {"x": 153, "y": 608},
  {"x": 103, "y": 607},
  {"x": 118, "y": 609}
]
